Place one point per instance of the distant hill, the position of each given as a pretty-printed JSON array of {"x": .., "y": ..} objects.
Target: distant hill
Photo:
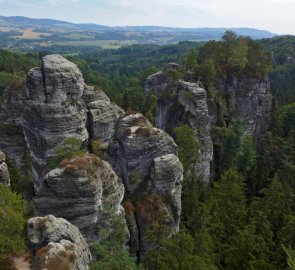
[
  {"x": 217, "y": 32},
  {"x": 19, "y": 32}
]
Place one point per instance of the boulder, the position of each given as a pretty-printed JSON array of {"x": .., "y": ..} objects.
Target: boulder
[
  {"x": 81, "y": 190},
  {"x": 57, "y": 244}
]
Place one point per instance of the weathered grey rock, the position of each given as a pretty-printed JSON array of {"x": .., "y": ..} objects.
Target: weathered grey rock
[
  {"x": 81, "y": 190},
  {"x": 78, "y": 190},
  {"x": 4, "y": 173},
  {"x": 181, "y": 103},
  {"x": 57, "y": 244},
  {"x": 248, "y": 98},
  {"x": 12, "y": 140},
  {"x": 35, "y": 85},
  {"x": 145, "y": 158},
  {"x": 62, "y": 79},
  {"x": 61, "y": 106},
  {"x": 136, "y": 145},
  {"x": 91, "y": 94},
  {"x": 54, "y": 111},
  {"x": 103, "y": 116}
]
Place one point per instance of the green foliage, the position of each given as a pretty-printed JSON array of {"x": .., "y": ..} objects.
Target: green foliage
[
  {"x": 178, "y": 253},
  {"x": 110, "y": 252},
  {"x": 68, "y": 149},
  {"x": 16, "y": 63},
  {"x": 239, "y": 54},
  {"x": 227, "y": 213},
  {"x": 12, "y": 216},
  {"x": 134, "y": 178},
  {"x": 188, "y": 146},
  {"x": 290, "y": 257},
  {"x": 21, "y": 178},
  {"x": 98, "y": 148},
  {"x": 246, "y": 159},
  {"x": 151, "y": 107},
  {"x": 156, "y": 235},
  {"x": 227, "y": 142}
]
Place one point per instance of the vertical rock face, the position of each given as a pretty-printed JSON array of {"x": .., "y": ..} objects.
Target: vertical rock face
[
  {"x": 12, "y": 139},
  {"x": 81, "y": 190},
  {"x": 181, "y": 103},
  {"x": 57, "y": 244},
  {"x": 54, "y": 110},
  {"x": 145, "y": 158},
  {"x": 4, "y": 173},
  {"x": 102, "y": 115},
  {"x": 249, "y": 100},
  {"x": 60, "y": 105}
]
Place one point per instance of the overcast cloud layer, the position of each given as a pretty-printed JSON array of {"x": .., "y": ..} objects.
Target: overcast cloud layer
[{"x": 273, "y": 15}]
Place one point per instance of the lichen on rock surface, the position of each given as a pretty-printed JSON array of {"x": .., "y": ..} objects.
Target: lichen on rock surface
[
  {"x": 81, "y": 190},
  {"x": 57, "y": 244}
]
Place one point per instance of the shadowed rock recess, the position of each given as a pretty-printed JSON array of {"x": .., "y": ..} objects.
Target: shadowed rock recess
[
  {"x": 61, "y": 105},
  {"x": 246, "y": 99},
  {"x": 12, "y": 140},
  {"x": 249, "y": 99},
  {"x": 181, "y": 103}
]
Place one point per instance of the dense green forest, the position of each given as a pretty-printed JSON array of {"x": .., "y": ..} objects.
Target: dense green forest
[{"x": 246, "y": 218}]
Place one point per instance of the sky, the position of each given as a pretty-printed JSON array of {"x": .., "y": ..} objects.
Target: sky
[{"x": 274, "y": 15}]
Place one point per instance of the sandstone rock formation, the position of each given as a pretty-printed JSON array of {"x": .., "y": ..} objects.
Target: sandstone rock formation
[
  {"x": 248, "y": 98},
  {"x": 57, "y": 244},
  {"x": 81, "y": 190},
  {"x": 12, "y": 139},
  {"x": 102, "y": 115},
  {"x": 145, "y": 158},
  {"x": 181, "y": 103},
  {"x": 61, "y": 105},
  {"x": 4, "y": 173},
  {"x": 54, "y": 111}
]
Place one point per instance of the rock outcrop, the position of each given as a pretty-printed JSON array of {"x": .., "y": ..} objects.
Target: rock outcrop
[
  {"x": 102, "y": 115},
  {"x": 54, "y": 111},
  {"x": 57, "y": 244},
  {"x": 60, "y": 106},
  {"x": 182, "y": 103},
  {"x": 81, "y": 190},
  {"x": 12, "y": 104},
  {"x": 4, "y": 173},
  {"x": 145, "y": 158},
  {"x": 249, "y": 100}
]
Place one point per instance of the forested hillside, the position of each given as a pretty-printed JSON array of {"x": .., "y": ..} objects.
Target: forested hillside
[{"x": 245, "y": 217}]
